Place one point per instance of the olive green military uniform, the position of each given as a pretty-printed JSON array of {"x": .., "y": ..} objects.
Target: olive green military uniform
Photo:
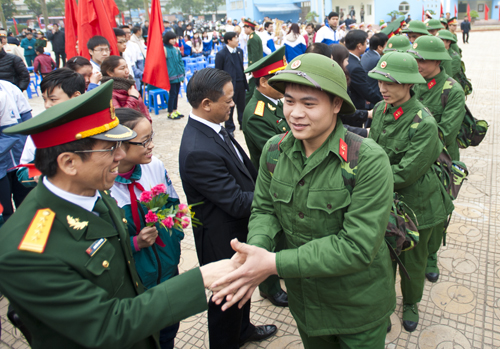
[
  {"x": 452, "y": 68},
  {"x": 335, "y": 262},
  {"x": 262, "y": 119},
  {"x": 254, "y": 47}
]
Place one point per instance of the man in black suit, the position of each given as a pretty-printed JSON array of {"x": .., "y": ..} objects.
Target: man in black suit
[
  {"x": 370, "y": 59},
  {"x": 216, "y": 171},
  {"x": 359, "y": 90},
  {"x": 230, "y": 59}
]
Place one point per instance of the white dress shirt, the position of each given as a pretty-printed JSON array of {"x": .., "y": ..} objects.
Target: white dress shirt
[{"x": 85, "y": 202}]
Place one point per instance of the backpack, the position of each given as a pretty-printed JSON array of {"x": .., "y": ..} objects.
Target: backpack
[
  {"x": 401, "y": 233},
  {"x": 461, "y": 78},
  {"x": 472, "y": 131}
]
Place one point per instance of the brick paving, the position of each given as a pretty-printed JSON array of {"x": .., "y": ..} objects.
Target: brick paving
[{"x": 462, "y": 310}]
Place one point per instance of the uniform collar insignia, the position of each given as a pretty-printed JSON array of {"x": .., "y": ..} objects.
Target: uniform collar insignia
[
  {"x": 431, "y": 83},
  {"x": 271, "y": 107},
  {"x": 398, "y": 113},
  {"x": 75, "y": 223}
]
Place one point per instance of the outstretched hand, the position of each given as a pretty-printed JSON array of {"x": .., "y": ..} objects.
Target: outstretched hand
[{"x": 257, "y": 265}]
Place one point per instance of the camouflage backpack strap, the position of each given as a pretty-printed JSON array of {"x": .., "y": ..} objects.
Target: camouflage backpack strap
[
  {"x": 448, "y": 84},
  {"x": 273, "y": 153},
  {"x": 350, "y": 167}
]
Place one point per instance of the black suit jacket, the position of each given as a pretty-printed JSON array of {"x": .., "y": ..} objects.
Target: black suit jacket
[
  {"x": 359, "y": 89},
  {"x": 224, "y": 62},
  {"x": 210, "y": 174}
]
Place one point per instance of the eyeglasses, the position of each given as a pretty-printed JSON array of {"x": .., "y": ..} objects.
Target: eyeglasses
[
  {"x": 102, "y": 50},
  {"x": 111, "y": 150},
  {"x": 122, "y": 41},
  {"x": 146, "y": 143}
]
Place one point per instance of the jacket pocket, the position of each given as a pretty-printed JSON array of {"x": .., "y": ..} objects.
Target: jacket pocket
[
  {"x": 327, "y": 208},
  {"x": 102, "y": 267},
  {"x": 397, "y": 148}
]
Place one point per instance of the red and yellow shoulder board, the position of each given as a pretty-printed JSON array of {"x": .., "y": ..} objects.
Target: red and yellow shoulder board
[
  {"x": 259, "y": 109},
  {"x": 36, "y": 236}
]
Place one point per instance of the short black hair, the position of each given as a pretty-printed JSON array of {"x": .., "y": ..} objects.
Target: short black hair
[
  {"x": 109, "y": 64},
  {"x": 355, "y": 37},
  {"x": 68, "y": 80},
  {"x": 10, "y": 33},
  {"x": 229, "y": 36},
  {"x": 39, "y": 49},
  {"x": 206, "y": 83},
  {"x": 267, "y": 77},
  {"x": 169, "y": 36},
  {"x": 119, "y": 32},
  {"x": 311, "y": 25},
  {"x": 46, "y": 158},
  {"x": 332, "y": 14},
  {"x": 129, "y": 117},
  {"x": 267, "y": 24},
  {"x": 320, "y": 48},
  {"x": 379, "y": 39},
  {"x": 135, "y": 29},
  {"x": 96, "y": 41},
  {"x": 75, "y": 63},
  {"x": 124, "y": 26}
]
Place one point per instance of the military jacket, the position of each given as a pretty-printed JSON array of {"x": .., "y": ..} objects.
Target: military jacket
[
  {"x": 254, "y": 45},
  {"x": 450, "y": 117},
  {"x": 262, "y": 120},
  {"x": 412, "y": 149},
  {"x": 335, "y": 263},
  {"x": 70, "y": 296},
  {"x": 453, "y": 67}
]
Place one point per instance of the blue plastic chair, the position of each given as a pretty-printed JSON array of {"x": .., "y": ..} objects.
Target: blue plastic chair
[
  {"x": 185, "y": 61},
  {"x": 192, "y": 60},
  {"x": 186, "y": 80},
  {"x": 200, "y": 59},
  {"x": 211, "y": 65},
  {"x": 201, "y": 65},
  {"x": 211, "y": 59},
  {"x": 153, "y": 99},
  {"x": 191, "y": 67}
]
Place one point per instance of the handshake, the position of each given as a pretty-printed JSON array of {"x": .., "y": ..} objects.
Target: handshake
[{"x": 235, "y": 279}]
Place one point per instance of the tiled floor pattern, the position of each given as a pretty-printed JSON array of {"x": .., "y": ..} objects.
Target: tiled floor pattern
[{"x": 462, "y": 310}]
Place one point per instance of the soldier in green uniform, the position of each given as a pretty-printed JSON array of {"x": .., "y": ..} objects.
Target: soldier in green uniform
[
  {"x": 398, "y": 43},
  {"x": 335, "y": 262},
  {"x": 452, "y": 27},
  {"x": 408, "y": 133},
  {"x": 66, "y": 264},
  {"x": 453, "y": 67},
  {"x": 255, "y": 53},
  {"x": 433, "y": 26},
  {"x": 416, "y": 29},
  {"x": 449, "y": 113},
  {"x": 263, "y": 116}
]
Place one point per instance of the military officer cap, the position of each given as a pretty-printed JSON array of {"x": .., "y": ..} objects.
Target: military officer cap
[
  {"x": 315, "y": 71},
  {"x": 394, "y": 27},
  {"x": 416, "y": 26},
  {"x": 248, "y": 23},
  {"x": 452, "y": 20},
  {"x": 398, "y": 67},
  {"x": 91, "y": 115},
  {"x": 429, "y": 48},
  {"x": 434, "y": 24},
  {"x": 446, "y": 35},
  {"x": 398, "y": 43},
  {"x": 270, "y": 64}
]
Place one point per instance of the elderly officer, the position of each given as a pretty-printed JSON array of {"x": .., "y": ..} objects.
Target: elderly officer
[
  {"x": 328, "y": 199},
  {"x": 449, "y": 113},
  {"x": 66, "y": 263},
  {"x": 408, "y": 133},
  {"x": 415, "y": 29}
]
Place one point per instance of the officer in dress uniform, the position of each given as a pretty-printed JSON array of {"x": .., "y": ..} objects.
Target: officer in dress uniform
[
  {"x": 255, "y": 52},
  {"x": 66, "y": 263}
]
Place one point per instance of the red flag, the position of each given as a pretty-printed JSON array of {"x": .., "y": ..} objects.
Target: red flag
[
  {"x": 123, "y": 18},
  {"x": 441, "y": 13},
  {"x": 155, "y": 70},
  {"x": 93, "y": 20},
  {"x": 486, "y": 11},
  {"x": 70, "y": 27},
  {"x": 39, "y": 22},
  {"x": 112, "y": 11},
  {"x": 15, "y": 25},
  {"x": 468, "y": 12},
  {"x": 456, "y": 12},
  {"x": 423, "y": 13}
]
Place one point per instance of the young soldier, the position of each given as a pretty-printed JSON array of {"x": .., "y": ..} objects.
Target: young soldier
[
  {"x": 452, "y": 27},
  {"x": 452, "y": 68},
  {"x": 416, "y": 29},
  {"x": 398, "y": 43},
  {"x": 412, "y": 151},
  {"x": 429, "y": 51},
  {"x": 433, "y": 26},
  {"x": 254, "y": 46},
  {"x": 335, "y": 262}
]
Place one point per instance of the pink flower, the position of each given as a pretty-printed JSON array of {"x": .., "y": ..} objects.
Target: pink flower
[
  {"x": 159, "y": 189},
  {"x": 151, "y": 217},
  {"x": 145, "y": 196},
  {"x": 185, "y": 222},
  {"x": 179, "y": 214},
  {"x": 168, "y": 222},
  {"x": 184, "y": 209}
]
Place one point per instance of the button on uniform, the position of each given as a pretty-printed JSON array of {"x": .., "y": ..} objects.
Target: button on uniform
[
  {"x": 301, "y": 215},
  {"x": 301, "y": 182},
  {"x": 105, "y": 264}
]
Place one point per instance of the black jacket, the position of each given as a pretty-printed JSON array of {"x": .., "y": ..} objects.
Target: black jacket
[
  {"x": 13, "y": 40},
  {"x": 13, "y": 69},
  {"x": 465, "y": 26},
  {"x": 359, "y": 89},
  {"x": 58, "y": 41},
  {"x": 224, "y": 62},
  {"x": 210, "y": 174}
]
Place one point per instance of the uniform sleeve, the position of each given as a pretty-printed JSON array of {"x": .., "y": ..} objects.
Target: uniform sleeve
[
  {"x": 453, "y": 115},
  {"x": 423, "y": 151},
  {"x": 260, "y": 131},
  {"x": 355, "y": 246},
  {"x": 65, "y": 301}
]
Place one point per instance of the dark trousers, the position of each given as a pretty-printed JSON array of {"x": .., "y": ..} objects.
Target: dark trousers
[
  {"x": 10, "y": 188},
  {"x": 29, "y": 60},
  {"x": 227, "y": 329},
  {"x": 465, "y": 37},
  {"x": 173, "y": 96},
  {"x": 61, "y": 56},
  {"x": 239, "y": 101},
  {"x": 167, "y": 336}
]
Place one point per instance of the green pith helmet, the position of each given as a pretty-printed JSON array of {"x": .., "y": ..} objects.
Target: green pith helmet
[
  {"x": 443, "y": 21},
  {"x": 429, "y": 48},
  {"x": 398, "y": 43},
  {"x": 416, "y": 26},
  {"x": 434, "y": 24},
  {"x": 446, "y": 35},
  {"x": 316, "y": 71},
  {"x": 397, "y": 67}
]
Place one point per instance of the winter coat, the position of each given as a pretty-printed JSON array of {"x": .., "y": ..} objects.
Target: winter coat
[
  {"x": 13, "y": 69},
  {"x": 58, "y": 40}
]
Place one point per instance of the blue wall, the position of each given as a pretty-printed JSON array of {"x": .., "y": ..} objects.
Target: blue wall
[
  {"x": 382, "y": 8},
  {"x": 251, "y": 11}
]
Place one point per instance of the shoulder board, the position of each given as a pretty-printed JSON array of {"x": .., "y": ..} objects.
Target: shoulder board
[
  {"x": 251, "y": 36},
  {"x": 36, "y": 236},
  {"x": 259, "y": 108}
]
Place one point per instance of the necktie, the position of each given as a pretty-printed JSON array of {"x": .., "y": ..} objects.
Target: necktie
[
  {"x": 229, "y": 143},
  {"x": 103, "y": 211}
]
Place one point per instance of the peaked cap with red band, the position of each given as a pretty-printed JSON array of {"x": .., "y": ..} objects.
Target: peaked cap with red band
[
  {"x": 90, "y": 115},
  {"x": 248, "y": 22},
  {"x": 268, "y": 65}
]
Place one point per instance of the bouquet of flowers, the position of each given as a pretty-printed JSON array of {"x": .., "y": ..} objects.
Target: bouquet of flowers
[{"x": 173, "y": 217}]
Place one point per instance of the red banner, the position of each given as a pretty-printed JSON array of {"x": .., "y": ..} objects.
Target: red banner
[{"x": 70, "y": 27}]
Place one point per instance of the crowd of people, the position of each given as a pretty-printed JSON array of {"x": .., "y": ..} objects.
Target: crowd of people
[{"x": 340, "y": 124}]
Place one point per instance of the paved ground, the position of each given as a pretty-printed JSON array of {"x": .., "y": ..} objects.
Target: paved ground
[{"x": 462, "y": 310}]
